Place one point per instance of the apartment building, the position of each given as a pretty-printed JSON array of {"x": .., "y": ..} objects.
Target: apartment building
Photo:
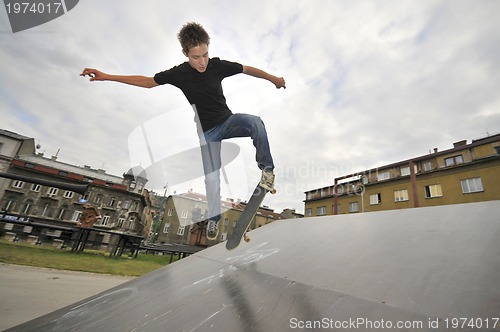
[
  {"x": 122, "y": 202},
  {"x": 463, "y": 174},
  {"x": 183, "y": 212}
]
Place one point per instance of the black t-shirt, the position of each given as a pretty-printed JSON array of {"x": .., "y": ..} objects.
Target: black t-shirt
[{"x": 203, "y": 90}]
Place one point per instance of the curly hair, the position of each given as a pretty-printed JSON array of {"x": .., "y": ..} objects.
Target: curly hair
[{"x": 191, "y": 35}]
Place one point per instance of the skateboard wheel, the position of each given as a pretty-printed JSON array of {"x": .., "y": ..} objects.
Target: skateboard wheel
[
  {"x": 247, "y": 239},
  {"x": 273, "y": 191}
]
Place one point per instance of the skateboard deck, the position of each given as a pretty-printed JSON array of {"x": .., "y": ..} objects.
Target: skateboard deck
[{"x": 246, "y": 217}]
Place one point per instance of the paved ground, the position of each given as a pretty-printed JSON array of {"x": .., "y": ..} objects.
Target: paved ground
[{"x": 28, "y": 292}]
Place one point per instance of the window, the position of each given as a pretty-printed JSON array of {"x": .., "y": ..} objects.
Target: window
[
  {"x": 308, "y": 212},
  {"x": 184, "y": 214},
  {"x": 383, "y": 176},
  {"x": 170, "y": 212},
  {"x": 120, "y": 223},
  {"x": 98, "y": 199},
  {"x": 126, "y": 205},
  {"x": 76, "y": 216},
  {"x": 112, "y": 202},
  {"x": 180, "y": 230},
  {"x": 353, "y": 207},
  {"x": 472, "y": 185},
  {"x": 35, "y": 187},
  {"x": 8, "y": 204},
  {"x": 455, "y": 160},
  {"x": 405, "y": 170},
  {"x": 427, "y": 166},
  {"x": 166, "y": 228},
  {"x": 340, "y": 189},
  {"x": 226, "y": 221},
  {"x": 321, "y": 211},
  {"x": 27, "y": 207},
  {"x": 68, "y": 194},
  {"x": 60, "y": 214},
  {"x": 223, "y": 236},
  {"x": 131, "y": 222},
  {"x": 105, "y": 220},
  {"x": 356, "y": 188},
  {"x": 433, "y": 191},
  {"x": 18, "y": 184},
  {"x": 375, "y": 199},
  {"x": 401, "y": 195},
  {"x": 46, "y": 211},
  {"x": 52, "y": 192}
]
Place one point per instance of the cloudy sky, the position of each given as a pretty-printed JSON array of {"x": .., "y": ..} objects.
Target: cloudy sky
[{"x": 368, "y": 83}]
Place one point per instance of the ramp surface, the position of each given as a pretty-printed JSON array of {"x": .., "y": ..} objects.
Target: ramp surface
[{"x": 416, "y": 269}]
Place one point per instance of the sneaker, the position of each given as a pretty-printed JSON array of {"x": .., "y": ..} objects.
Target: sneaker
[
  {"x": 267, "y": 180},
  {"x": 212, "y": 229}
]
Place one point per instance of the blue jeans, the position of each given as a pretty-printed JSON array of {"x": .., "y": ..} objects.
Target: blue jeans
[{"x": 237, "y": 125}]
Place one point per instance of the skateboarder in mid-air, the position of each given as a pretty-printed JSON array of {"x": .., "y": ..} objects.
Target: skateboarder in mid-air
[{"x": 200, "y": 79}]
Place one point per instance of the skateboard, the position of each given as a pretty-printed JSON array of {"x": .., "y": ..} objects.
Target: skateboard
[{"x": 240, "y": 231}]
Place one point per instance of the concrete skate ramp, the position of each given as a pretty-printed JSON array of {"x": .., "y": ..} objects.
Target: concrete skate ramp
[{"x": 408, "y": 269}]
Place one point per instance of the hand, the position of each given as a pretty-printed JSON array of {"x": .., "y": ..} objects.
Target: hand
[
  {"x": 94, "y": 74},
  {"x": 279, "y": 82}
]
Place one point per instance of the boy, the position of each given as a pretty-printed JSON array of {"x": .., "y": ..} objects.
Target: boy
[{"x": 200, "y": 80}]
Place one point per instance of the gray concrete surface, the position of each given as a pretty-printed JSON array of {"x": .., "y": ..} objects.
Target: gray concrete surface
[
  {"x": 28, "y": 292},
  {"x": 400, "y": 270}
]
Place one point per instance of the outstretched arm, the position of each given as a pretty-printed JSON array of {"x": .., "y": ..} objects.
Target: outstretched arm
[
  {"x": 136, "y": 80},
  {"x": 279, "y": 82}
]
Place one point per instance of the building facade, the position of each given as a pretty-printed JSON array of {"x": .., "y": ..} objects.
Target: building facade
[
  {"x": 123, "y": 204},
  {"x": 180, "y": 223},
  {"x": 12, "y": 144},
  {"x": 464, "y": 174}
]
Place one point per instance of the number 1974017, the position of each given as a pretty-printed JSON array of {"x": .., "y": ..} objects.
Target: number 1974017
[{"x": 33, "y": 8}]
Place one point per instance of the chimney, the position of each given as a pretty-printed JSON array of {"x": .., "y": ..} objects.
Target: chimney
[
  {"x": 460, "y": 143},
  {"x": 54, "y": 158}
]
